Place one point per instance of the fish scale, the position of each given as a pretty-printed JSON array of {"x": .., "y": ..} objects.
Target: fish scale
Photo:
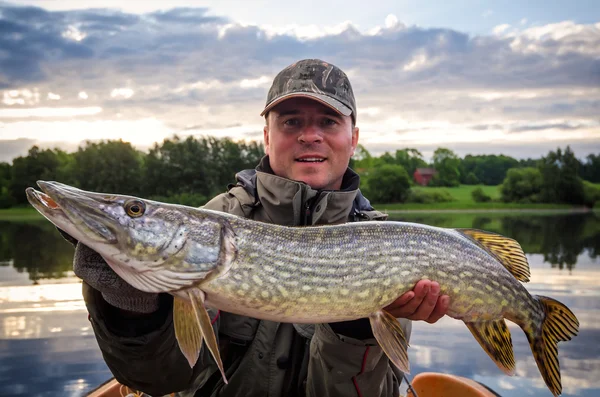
[{"x": 315, "y": 274}]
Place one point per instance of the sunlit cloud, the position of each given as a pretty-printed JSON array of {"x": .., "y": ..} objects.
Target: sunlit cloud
[
  {"x": 262, "y": 81},
  {"x": 20, "y": 97},
  {"x": 74, "y": 34},
  {"x": 125, "y": 93}
]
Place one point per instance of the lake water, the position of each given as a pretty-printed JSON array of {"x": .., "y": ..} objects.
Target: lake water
[{"x": 47, "y": 347}]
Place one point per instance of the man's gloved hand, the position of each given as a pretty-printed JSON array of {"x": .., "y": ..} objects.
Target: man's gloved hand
[{"x": 93, "y": 269}]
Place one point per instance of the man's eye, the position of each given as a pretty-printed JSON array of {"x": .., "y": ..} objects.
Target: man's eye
[
  {"x": 329, "y": 122},
  {"x": 291, "y": 122}
]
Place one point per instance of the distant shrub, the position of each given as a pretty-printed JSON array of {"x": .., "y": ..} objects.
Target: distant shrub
[
  {"x": 389, "y": 183},
  {"x": 424, "y": 196},
  {"x": 522, "y": 185},
  {"x": 591, "y": 194},
  {"x": 479, "y": 196}
]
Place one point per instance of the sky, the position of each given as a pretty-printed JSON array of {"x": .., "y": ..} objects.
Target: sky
[{"x": 478, "y": 77}]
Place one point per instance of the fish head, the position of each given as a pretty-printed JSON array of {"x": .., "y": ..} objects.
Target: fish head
[{"x": 125, "y": 229}]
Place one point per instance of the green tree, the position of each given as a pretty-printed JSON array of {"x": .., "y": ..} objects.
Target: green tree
[
  {"x": 522, "y": 185},
  {"x": 362, "y": 160},
  {"x": 110, "y": 167},
  {"x": 561, "y": 181},
  {"x": 410, "y": 159},
  {"x": 389, "y": 183},
  {"x": 6, "y": 199},
  {"x": 471, "y": 179},
  {"x": 447, "y": 164},
  {"x": 590, "y": 169},
  {"x": 48, "y": 164},
  {"x": 489, "y": 169}
]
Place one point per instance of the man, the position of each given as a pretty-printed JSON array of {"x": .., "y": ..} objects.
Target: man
[{"x": 304, "y": 179}]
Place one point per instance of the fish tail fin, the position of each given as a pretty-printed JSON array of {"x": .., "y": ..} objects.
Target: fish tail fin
[{"x": 559, "y": 324}]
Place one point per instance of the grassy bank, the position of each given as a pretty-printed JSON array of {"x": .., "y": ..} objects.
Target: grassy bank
[
  {"x": 464, "y": 201},
  {"x": 20, "y": 213}
]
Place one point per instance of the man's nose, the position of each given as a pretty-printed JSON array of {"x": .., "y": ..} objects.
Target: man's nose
[{"x": 311, "y": 134}]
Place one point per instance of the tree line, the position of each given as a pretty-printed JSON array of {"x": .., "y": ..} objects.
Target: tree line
[
  {"x": 187, "y": 171},
  {"x": 192, "y": 170},
  {"x": 559, "y": 177}
]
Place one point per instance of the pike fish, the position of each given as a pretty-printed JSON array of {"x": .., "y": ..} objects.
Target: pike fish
[{"x": 316, "y": 274}]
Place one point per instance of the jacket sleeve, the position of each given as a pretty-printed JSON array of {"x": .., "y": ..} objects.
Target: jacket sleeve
[
  {"x": 344, "y": 366},
  {"x": 142, "y": 352}
]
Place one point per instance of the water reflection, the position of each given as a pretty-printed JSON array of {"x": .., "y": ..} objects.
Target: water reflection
[{"x": 35, "y": 248}]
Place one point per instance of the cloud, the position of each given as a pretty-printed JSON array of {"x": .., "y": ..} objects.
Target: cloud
[
  {"x": 183, "y": 67},
  {"x": 11, "y": 148}
]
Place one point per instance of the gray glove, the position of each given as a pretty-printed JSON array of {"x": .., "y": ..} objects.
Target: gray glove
[{"x": 89, "y": 266}]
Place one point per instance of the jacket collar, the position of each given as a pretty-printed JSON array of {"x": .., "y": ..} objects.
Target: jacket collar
[{"x": 289, "y": 202}]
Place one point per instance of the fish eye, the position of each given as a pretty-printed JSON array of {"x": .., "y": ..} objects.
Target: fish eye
[{"x": 135, "y": 208}]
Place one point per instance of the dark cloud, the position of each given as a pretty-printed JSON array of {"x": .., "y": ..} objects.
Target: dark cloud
[
  {"x": 535, "y": 126},
  {"x": 548, "y": 126},
  {"x": 186, "y": 16},
  {"x": 197, "y": 44},
  {"x": 31, "y": 37}
]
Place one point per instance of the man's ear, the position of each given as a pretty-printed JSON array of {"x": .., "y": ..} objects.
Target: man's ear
[
  {"x": 354, "y": 139},
  {"x": 266, "y": 138}
]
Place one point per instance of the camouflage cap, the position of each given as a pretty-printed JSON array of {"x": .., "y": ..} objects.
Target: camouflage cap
[{"x": 315, "y": 79}]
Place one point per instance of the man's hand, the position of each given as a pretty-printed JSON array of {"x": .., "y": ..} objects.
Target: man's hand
[{"x": 422, "y": 303}]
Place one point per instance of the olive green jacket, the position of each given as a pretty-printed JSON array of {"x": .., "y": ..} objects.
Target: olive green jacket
[{"x": 261, "y": 358}]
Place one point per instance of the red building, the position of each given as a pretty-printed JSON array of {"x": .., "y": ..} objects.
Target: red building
[{"x": 422, "y": 176}]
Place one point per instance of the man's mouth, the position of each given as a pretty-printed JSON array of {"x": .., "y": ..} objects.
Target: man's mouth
[{"x": 311, "y": 160}]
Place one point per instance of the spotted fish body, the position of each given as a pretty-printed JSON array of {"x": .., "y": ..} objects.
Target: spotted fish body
[
  {"x": 312, "y": 274},
  {"x": 343, "y": 272}
]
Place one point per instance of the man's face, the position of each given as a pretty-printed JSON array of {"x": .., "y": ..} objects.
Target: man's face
[{"x": 309, "y": 142}]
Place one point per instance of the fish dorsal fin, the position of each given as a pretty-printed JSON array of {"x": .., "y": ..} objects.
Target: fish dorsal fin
[
  {"x": 505, "y": 249},
  {"x": 495, "y": 339},
  {"x": 390, "y": 336}
]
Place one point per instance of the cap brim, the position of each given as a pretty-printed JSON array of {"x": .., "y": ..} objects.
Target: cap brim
[{"x": 325, "y": 100}]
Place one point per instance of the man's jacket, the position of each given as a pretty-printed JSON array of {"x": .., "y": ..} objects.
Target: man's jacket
[{"x": 261, "y": 358}]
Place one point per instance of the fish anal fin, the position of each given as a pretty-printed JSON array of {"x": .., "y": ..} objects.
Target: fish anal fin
[
  {"x": 560, "y": 324},
  {"x": 390, "y": 336},
  {"x": 494, "y": 337},
  {"x": 187, "y": 330},
  {"x": 507, "y": 250},
  {"x": 197, "y": 298}
]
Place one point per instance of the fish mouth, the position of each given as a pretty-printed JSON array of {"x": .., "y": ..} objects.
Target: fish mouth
[{"x": 72, "y": 210}]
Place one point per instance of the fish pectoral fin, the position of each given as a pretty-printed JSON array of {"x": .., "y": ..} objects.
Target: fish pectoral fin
[
  {"x": 494, "y": 337},
  {"x": 390, "y": 336},
  {"x": 187, "y": 330},
  {"x": 197, "y": 298},
  {"x": 507, "y": 250}
]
